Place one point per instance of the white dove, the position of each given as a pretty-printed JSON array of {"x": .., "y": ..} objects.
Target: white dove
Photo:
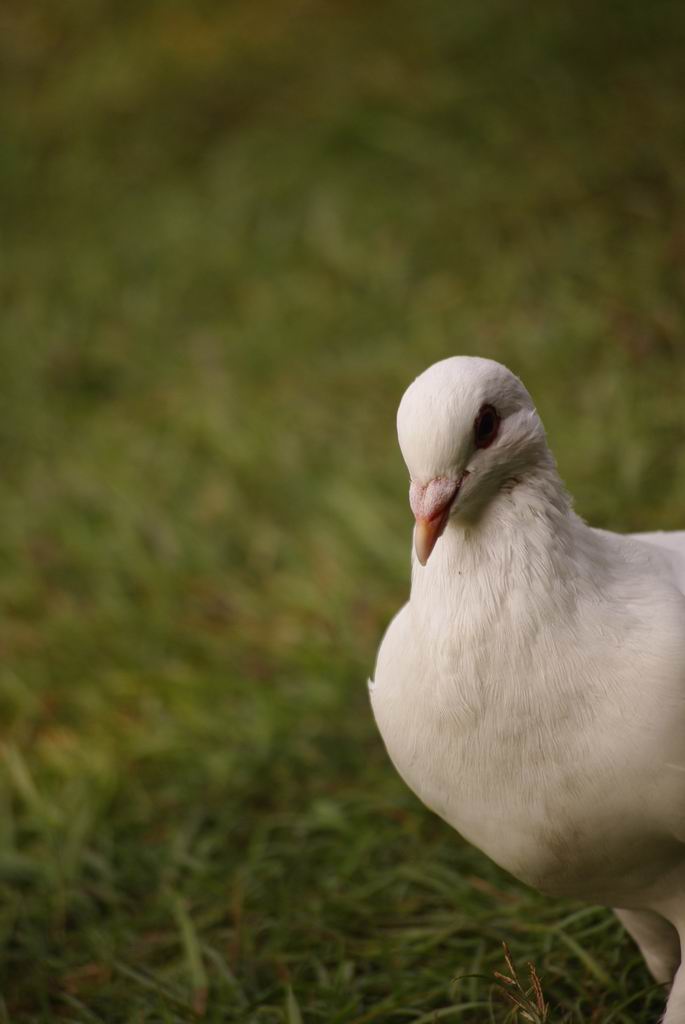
[{"x": 532, "y": 690}]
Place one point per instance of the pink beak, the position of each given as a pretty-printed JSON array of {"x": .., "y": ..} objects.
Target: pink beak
[{"x": 431, "y": 504}]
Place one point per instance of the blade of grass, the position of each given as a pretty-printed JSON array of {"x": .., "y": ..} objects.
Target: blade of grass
[
  {"x": 193, "y": 952},
  {"x": 293, "y": 1014},
  {"x": 588, "y": 961}
]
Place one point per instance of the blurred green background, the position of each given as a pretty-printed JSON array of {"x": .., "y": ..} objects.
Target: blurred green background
[{"x": 231, "y": 236}]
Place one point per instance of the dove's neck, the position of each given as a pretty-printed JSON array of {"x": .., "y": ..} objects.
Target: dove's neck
[{"x": 526, "y": 551}]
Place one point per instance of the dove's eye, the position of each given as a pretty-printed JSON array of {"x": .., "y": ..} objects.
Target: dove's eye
[{"x": 486, "y": 426}]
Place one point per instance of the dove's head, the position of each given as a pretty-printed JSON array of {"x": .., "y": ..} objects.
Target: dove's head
[{"x": 467, "y": 428}]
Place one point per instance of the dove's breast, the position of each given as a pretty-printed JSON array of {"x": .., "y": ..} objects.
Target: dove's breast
[{"x": 555, "y": 787}]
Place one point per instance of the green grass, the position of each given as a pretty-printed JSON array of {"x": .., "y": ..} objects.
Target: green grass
[{"x": 231, "y": 235}]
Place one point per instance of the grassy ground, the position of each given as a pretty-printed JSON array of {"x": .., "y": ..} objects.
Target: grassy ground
[{"x": 232, "y": 234}]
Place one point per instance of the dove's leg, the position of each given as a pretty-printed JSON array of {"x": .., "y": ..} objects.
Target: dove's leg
[
  {"x": 675, "y": 1007},
  {"x": 658, "y": 942}
]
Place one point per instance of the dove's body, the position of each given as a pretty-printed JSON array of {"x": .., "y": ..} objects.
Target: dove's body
[{"x": 532, "y": 693}]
